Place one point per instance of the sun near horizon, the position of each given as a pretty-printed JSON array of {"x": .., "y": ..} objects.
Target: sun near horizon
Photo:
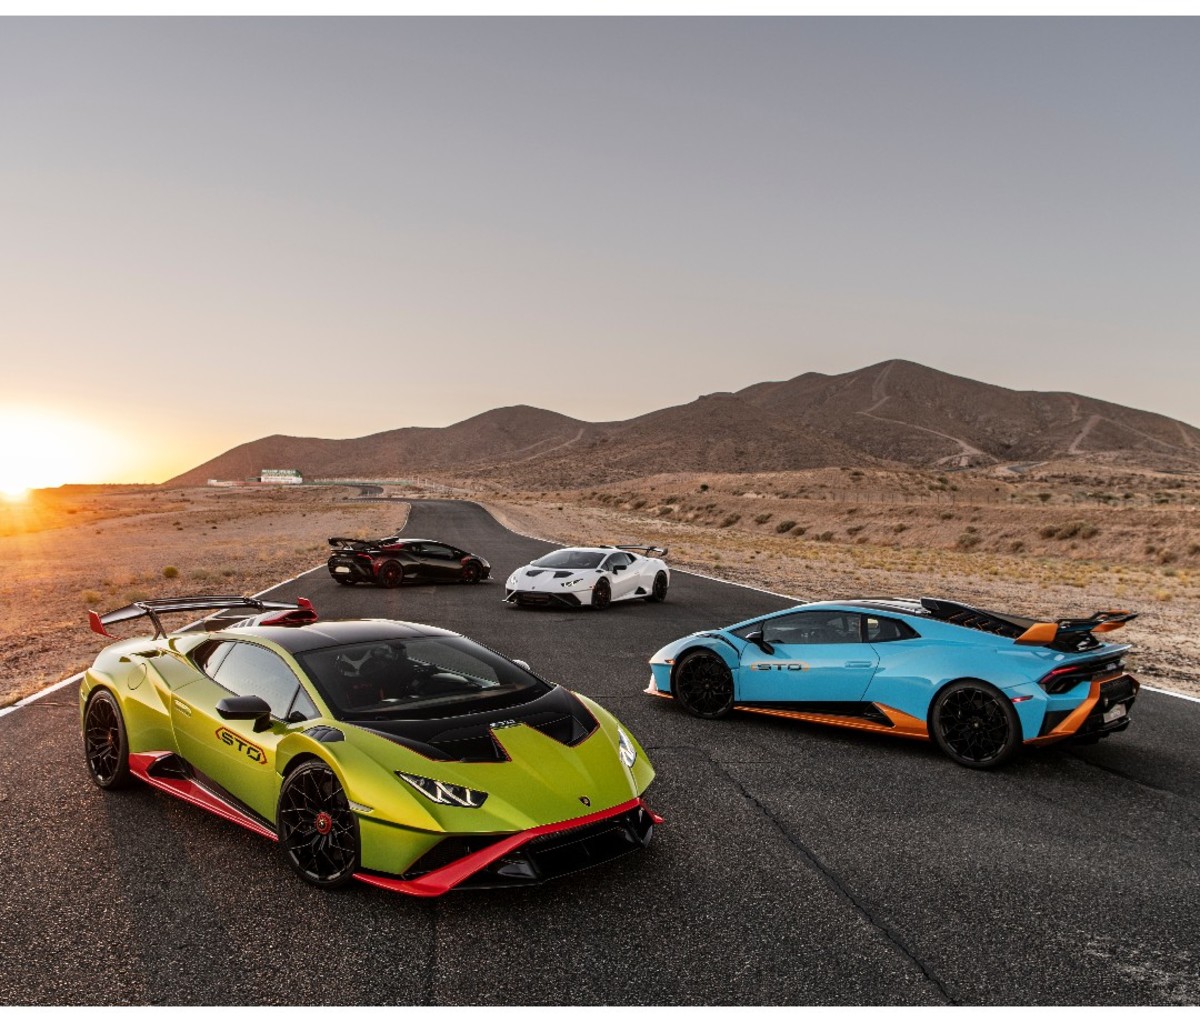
[{"x": 42, "y": 448}]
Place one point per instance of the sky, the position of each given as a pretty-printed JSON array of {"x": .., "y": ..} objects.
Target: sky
[{"x": 213, "y": 230}]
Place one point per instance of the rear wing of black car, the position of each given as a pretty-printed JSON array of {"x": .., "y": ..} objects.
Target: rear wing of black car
[
  {"x": 349, "y": 543},
  {"x": 645, "y": 551},
  {"x": 299, "y": 612}
]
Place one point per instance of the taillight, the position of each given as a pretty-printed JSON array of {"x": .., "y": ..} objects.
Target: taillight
[{"x": 1062, "y": 679}]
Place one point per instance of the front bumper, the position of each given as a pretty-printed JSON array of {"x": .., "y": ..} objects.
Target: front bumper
[
  {"x": 525, "y": 598},
  {"x": 527, "y": 857}
]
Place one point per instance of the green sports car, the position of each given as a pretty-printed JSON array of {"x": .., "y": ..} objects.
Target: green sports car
[{"x": 405, "y": 756}]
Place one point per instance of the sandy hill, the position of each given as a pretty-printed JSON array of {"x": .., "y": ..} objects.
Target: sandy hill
[
  {"x": 896, "y": 412},
  {"x": 902, "y": 411},
  {"x": 715, "y": 433}
]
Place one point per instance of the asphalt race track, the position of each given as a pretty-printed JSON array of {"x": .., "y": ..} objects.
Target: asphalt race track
[{"x": 798, "y": 864}]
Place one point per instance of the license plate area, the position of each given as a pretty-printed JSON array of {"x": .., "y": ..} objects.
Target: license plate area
[
  {"x": 341, "y": 569},
  {"x": 1116, "y": 713}
]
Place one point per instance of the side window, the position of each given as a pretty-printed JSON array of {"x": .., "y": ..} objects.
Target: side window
[
  {"x": 250, "y": 670},
  {"x": 814, "y": 627},
  {"x": 303, "y": 708},
  {"x": 442, "y": 553},
  {"x": 888, "y": 629},
  {"x": 208, "y": 655},
  {"x": 615, "y": 560}
]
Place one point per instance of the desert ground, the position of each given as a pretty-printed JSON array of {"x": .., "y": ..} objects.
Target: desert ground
[
  {"x": 74, "y": 549},
  {"x": 1050, "y": 542}
]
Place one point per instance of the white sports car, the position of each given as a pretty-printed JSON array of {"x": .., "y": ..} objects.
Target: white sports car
[{"x": 591, "y": 576}]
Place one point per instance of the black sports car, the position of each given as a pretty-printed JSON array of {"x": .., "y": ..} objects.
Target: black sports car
[{"x": 392, "y": 560}]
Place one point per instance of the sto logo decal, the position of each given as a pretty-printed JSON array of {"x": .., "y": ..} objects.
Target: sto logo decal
[{"x": 251, "y": 751}]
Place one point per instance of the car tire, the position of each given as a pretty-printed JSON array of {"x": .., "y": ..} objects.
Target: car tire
[
  {"x": 601, "y": 595},
  {"x": 105, "y": 741},
  {"x": 703, "y": 685},
  {"x": 391, "y": 574},
  {"x": 975, "y": 724},
  {"x": 317, "y": 830},
  {"x": 658, "y": 592},
  {"x": 471, "y": 573}
]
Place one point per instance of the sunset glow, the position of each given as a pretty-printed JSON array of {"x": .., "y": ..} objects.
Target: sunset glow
[{"x": 39, "y": 448}]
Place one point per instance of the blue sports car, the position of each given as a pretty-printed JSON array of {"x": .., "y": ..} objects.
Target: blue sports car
[{"x": 979, "y": 683}]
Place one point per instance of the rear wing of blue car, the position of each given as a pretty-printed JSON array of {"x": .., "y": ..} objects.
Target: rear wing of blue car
[
  {"x": 300, "y": 612},
  {"x": 1048, "y": 633},
  {"x": 1067, "y": 634}
]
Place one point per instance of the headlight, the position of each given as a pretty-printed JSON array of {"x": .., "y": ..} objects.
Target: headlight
[
  {"x": 445, "y": 794},
  {"x": 513, "y": 579},
  {"x": 625, "y": 749},
  {"x": 571, "y": 582}
]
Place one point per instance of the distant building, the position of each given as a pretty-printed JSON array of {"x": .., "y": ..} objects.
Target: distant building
[{"x": 280, "y": 475}]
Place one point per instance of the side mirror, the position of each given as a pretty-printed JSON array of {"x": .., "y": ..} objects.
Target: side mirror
[
  {"x": 756, "y": 637},
  {"x": 253, "y": 708},
  {"x": 619, "y": 567},
  {"x": 523, "y": 665}
]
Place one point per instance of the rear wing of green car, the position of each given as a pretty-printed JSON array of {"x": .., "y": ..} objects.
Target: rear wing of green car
[{"x": 300, "y": 612}]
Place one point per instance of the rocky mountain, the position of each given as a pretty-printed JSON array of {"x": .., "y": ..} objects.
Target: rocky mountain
[{"x": 896, "y": 412}]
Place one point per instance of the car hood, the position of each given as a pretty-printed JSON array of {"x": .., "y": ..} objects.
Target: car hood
[{"x": 548, "y": 767}]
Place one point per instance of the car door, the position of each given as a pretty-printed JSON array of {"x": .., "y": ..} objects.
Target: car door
[
  {"x": 194, "y": 715},
  {"x": 241, "y": 759},
  {"x": 817, "y": 656},
  {"x": 622, "y": 577},
  {"x": 443, "y": 564}
]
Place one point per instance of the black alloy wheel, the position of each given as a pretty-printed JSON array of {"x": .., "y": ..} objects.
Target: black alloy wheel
[
  {"x": 658, "y": 592},
  {"x": 703, "y": 685},
  {"x": 471, "y": 573},
  {"x": 975, "y": 725},
  {"x": 601, "y": 595},
  {"x": 105, "y": 744},
  {"x": 317, "y": 830},
  {"x": 391, "y": 575}
]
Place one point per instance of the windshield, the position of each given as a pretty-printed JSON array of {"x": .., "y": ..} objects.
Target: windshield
[
  {"x": 570, "y": 559},
  {"x": 427, "y": 677}
]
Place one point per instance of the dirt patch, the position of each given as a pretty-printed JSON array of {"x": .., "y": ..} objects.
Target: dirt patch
[{"x": 97, "y": 548}]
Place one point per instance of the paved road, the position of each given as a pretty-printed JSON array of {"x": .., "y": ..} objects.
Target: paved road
[{"x": 798, "y": 864}]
